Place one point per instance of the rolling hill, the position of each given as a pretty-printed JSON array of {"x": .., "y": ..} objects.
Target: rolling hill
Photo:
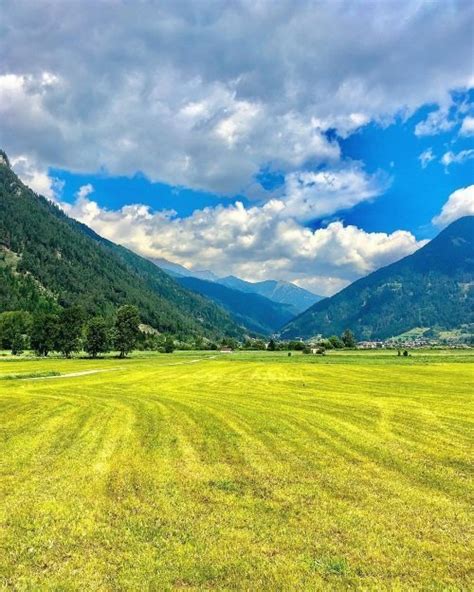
[
  {"x": 49, "y": 260},
  {"x": 255, "y": 312},
  {"x": 433, "y": 287}
]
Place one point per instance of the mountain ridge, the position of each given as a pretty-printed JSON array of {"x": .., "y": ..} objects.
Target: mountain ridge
[
  {"x": 278, "y": 291},
  {"x": 255, "y": 312},
  {"x": 432, "y": 287}
]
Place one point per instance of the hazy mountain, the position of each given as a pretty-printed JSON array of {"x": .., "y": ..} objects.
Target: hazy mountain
[
  {"x": 49, "y": 260},
  {"x": 294, "y": 298},
  {"x": 433, "y": 287},
  {"x": 287, "y": 293},
  {"x": 255, "y": 312},
  {"x": 176, "y": 269}
]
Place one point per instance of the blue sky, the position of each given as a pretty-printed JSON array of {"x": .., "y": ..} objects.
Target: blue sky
[
  {"x": 312, "y": 142},
  {"x": 416, "y": 193}
]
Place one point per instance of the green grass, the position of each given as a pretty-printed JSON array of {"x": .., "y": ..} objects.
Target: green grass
[{"x": 249, "y": 471}]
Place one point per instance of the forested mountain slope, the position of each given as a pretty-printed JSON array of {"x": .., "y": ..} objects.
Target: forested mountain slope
[
  {"x": 48, "y": 259},
  {"x": 433, "y": 287},
  {"x": 255, "y": 312},
  {"x": 286, "y": 293}
]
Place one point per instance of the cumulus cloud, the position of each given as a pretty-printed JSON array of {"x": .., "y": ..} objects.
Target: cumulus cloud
[
  {"x": 460, "y": 203},
  {"x": 205, "y": 94},
  {"x": 426, "y": 157},
  {"x": 467, "y": 127},
  {"x": 258, "y": 242},
  {"x": 450, "y": 157}
]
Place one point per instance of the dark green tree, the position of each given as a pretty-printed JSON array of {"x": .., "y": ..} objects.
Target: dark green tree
[
  {"x": 44, "y": 333},
  {"x": 169, "y": 345},
  {"x": 18, "y": 344},
  {"x": 336, "y": 342},
  {"x": 230, "y": 342},
  {"x": 126, "y": 329},
  {"x": 70, "y": 325},
  {"x": 15, "y": 326},
  {"x": 271, "y": 345},
  {"x": 97, "y": 337},
  {"x": 348, "y": 339},
  {"x": 326, "y": 344}
]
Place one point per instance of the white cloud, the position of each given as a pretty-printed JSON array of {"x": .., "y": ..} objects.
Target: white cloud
[
  {"x": 38, "y": 180},
  {"x": 255, "y": 243},
  {"x": 426, "y": 157},
  {"x": 84, "y": 191},
  {"x": 460, "y": 203},
  {"x": 437, "y": 122},
  {"x": 450, "y": 157},
  {"x": 311, "y": 195},
  {"x": 207, "y": 93},
  {"x": 467, "y": 127}
]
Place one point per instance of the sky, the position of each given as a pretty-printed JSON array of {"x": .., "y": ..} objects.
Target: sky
[{"x": 306, "y": 141}]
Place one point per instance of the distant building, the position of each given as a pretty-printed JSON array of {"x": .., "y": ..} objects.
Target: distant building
[{"x": 370, "y": 344}]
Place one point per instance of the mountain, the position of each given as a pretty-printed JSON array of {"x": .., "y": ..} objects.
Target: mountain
[
  {"x": 175, "y": 269},
  {"x": 255, "y": 312},
  {"x": 298, "y": 299},
  {"x": 293, "y": 298},
  {"x": 433, "y": 287},
  {"x": 47, "y": 259}
]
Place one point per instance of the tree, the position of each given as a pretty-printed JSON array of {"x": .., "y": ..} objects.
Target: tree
[
  {"x": 14, "y": 330},
  {"x": 348, "y": 339},
  {"x": 97, "y": 337},
  {"x": 336, "y": 342},
  {"x": 126, "y": 329},
  {"x": 43, "y": 333},
  {"x": 230, "y": 342},
  {"x": 18, "y": 344},
  {"x": 169, "y": 345},
  {"x": 326, "y": 344},
  {"x": 271, "y": 345},
  {"x": 69, "y": 332}
]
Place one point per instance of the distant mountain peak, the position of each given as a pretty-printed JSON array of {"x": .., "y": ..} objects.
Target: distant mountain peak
[{"x": 296, "y": 299}]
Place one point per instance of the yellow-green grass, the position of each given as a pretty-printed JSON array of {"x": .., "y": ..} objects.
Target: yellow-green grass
[{"x": 248, "y": 471}]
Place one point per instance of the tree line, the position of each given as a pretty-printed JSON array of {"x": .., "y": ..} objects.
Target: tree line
[
  {"x": 346, "y": 340},
  {"x": 69, "y": 331}
]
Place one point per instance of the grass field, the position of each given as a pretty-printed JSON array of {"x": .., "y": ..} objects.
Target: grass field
[{"x": 247, "y": 471}]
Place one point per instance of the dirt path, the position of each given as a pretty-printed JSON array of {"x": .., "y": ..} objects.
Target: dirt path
[
  {"x": 72, "y": 374},
  {"x": 191, "y": 361},
  {"x": 98, "y": 370}
]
